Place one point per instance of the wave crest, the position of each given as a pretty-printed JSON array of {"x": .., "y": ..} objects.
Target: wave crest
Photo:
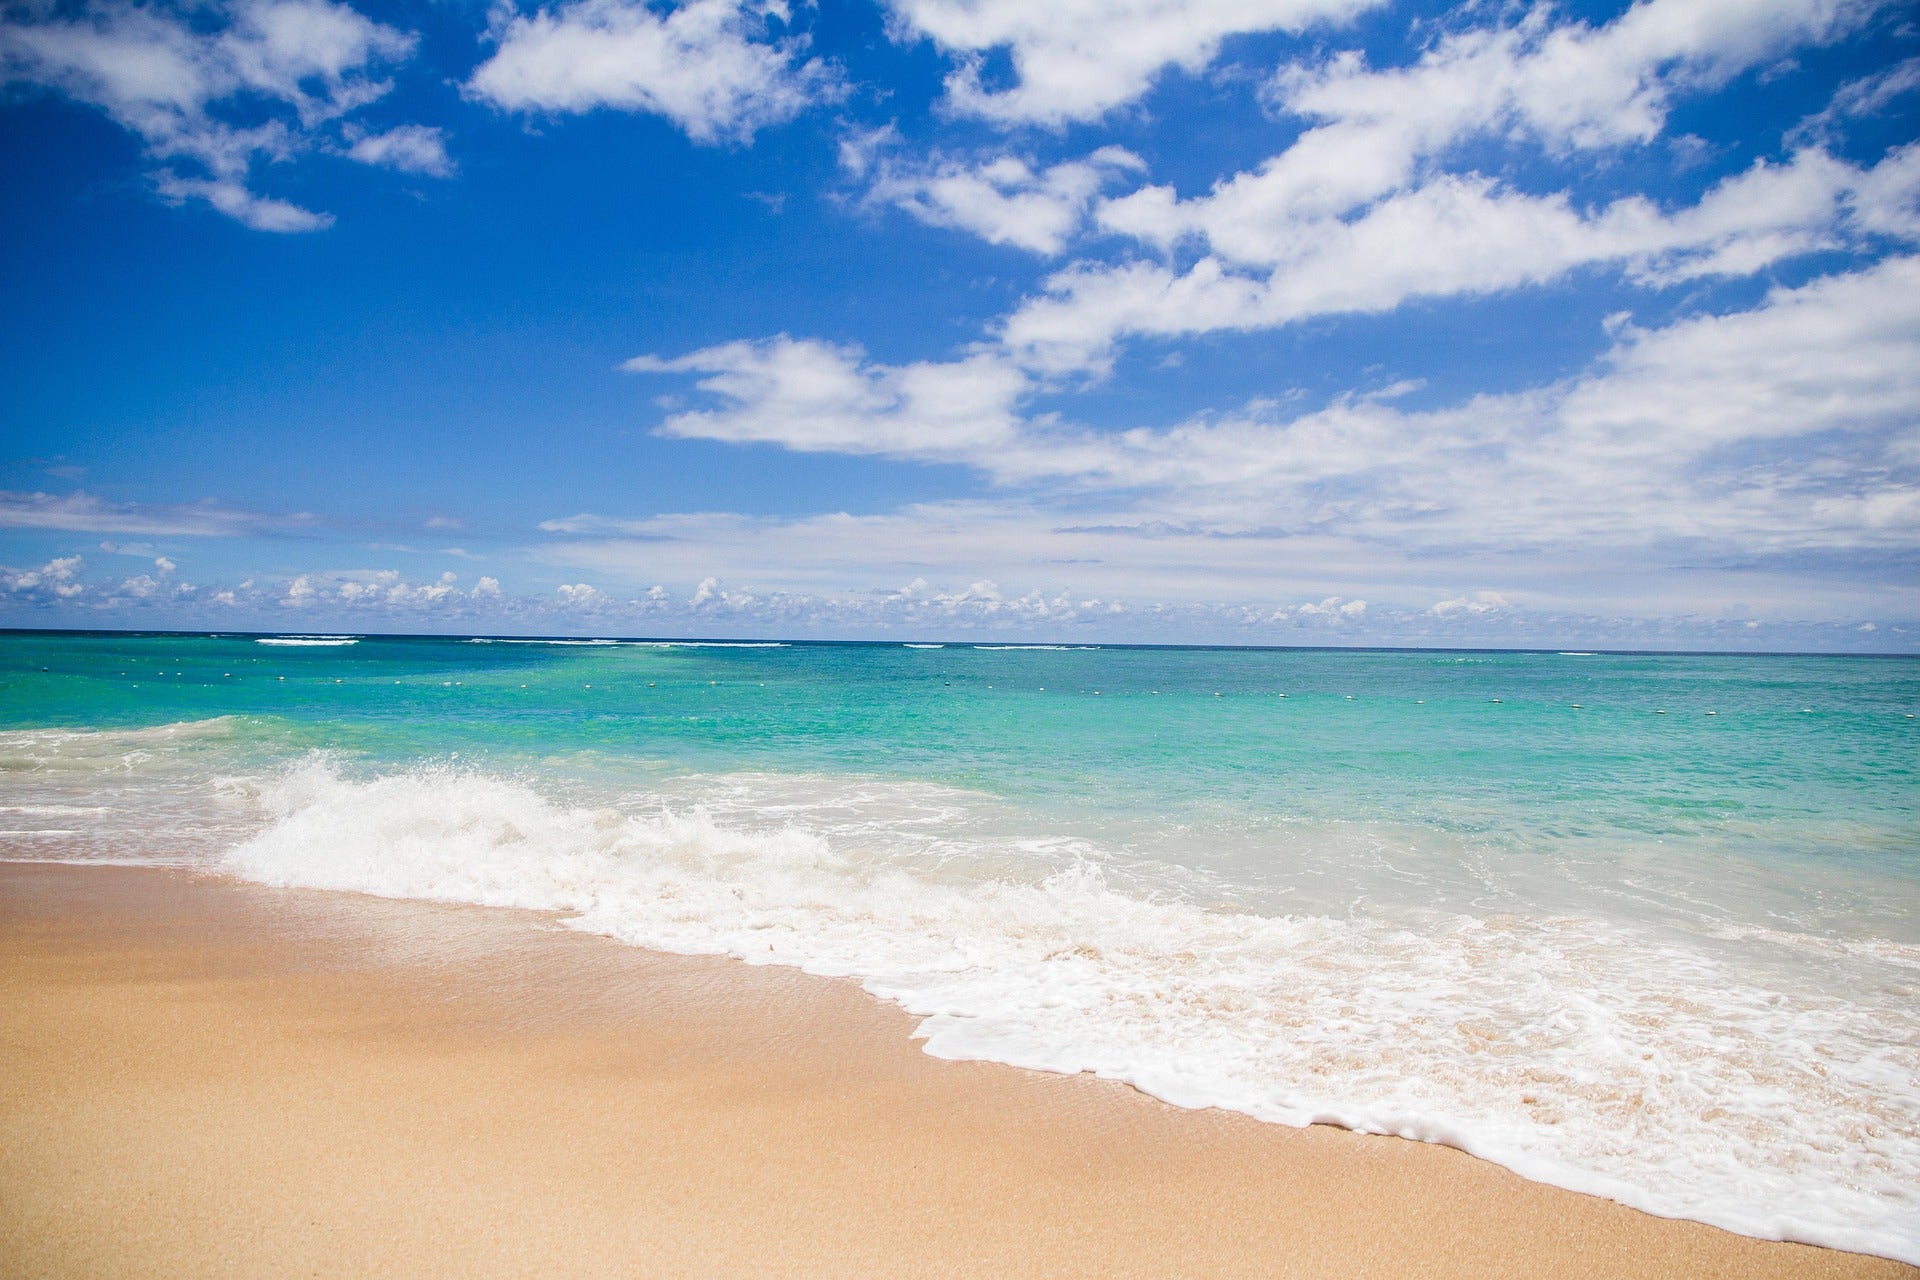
[{"x": 1573, "y": 1051}]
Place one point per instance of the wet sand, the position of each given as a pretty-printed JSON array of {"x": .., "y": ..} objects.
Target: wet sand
[{"x": 204, "y": 1078}]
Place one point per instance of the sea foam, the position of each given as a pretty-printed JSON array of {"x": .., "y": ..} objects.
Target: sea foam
[{"x": 1575, "y": 1051}]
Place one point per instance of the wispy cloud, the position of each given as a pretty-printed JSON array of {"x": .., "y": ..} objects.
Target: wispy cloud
[
  {"x": 1449, "y": 237},
  {"x": 86, "y": 513},
  {"x": 213, "y": 90}
]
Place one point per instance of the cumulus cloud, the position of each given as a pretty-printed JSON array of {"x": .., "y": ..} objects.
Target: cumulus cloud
[
  {"x": 579, "y": 595},
  {"x": 1160, "y": 596},
  {"x": 706, "y": 65},
  {"x": 55, "y": 579},
  {"x": 61, "y": 583},
  {"x": 1007, "y": 567},
  {"x": 1333, "y": 610},
  {"x": 212, "y": 90},
  {"x": 1003, "y": 200},
  {"x": 816, "y": 397},
  {"x": 1787, "y": 428},
  {"x": 1479, "y": 604},
  {"x": 1076, "y": 60}
]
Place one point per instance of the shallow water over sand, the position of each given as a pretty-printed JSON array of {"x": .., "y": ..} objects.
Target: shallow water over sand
[{"x": 1641, "y": 925}]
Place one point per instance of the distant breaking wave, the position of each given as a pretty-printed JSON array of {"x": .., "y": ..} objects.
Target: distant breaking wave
[
  {"x": 507, "y": 640},
  {"x": 1053, "y": 648},
  {"x": 711, "y": 644},
  {"x": 638, "y": 644}
]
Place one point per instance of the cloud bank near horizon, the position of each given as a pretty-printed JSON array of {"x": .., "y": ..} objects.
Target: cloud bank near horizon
[{"x": 1725, "y": 439}]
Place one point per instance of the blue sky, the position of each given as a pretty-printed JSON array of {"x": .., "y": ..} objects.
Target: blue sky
[{"x": 1241, "y": 321}]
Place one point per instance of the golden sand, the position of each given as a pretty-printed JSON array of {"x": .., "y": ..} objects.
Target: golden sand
[{"x": 201, "y": 1078}]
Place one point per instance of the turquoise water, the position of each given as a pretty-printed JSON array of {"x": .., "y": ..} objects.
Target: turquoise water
[{"x": 1647, "y": 925}]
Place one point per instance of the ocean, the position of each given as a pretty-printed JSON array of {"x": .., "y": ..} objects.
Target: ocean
[{"x": 1643, "y": 925}]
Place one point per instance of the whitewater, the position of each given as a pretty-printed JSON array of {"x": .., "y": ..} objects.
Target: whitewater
[{"x": 1542, "y": 907}]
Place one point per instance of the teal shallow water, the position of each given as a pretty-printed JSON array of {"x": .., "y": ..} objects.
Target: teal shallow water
[{"x": 1549, "y": 907}]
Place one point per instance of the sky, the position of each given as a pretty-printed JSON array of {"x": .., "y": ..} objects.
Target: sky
[{"x": 1279, "y": 322}]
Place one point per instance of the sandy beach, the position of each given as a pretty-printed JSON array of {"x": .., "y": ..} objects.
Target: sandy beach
[{"x": 209, "y": 1078}]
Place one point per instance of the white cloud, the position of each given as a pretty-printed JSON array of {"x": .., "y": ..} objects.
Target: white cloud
[
  {"x": 232, "y": 197},
  {"x": 1004, "y": 200},
  {"x": 1157, "y": 593},
  {"x": 1076, "y": 60},
  {"x": 82, "y": 512},
  {"x": 1455, "y": 235},
  {"x": 579, "y": 595},
  {"x": 1479, "y": 604},
  {"x": 813, "y": 574},
  {"x": 1333, "y": 609},
  {"x": 699, "y": 64},
  {"x": 1789, "y": 429},
  {"x": 1860, "y": 98},
  {"x": 55, "y": 579},
  {"x": 814, "y": 397},
  {"x": 1886, "y": 200},
  {"x": 408, "y": 148},
  {"x": 185, "y": 80},
  {"x": 383, "y": 591},
  {"x": 1360, "y": 212}
]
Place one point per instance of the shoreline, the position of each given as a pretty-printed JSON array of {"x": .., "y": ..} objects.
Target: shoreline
[{"x": 208, "y": 1077}]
